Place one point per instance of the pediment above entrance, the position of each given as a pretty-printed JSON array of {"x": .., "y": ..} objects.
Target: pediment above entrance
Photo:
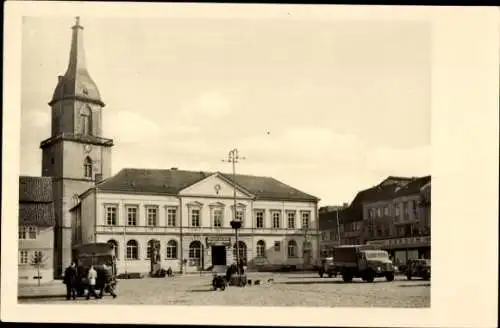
[{"x": 215, "y": 186}]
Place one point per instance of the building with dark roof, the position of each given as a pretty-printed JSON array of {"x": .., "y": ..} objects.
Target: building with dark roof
[
  {"x": 398, "y": 219},
  {"x": 36, "y": 230},
  {"x": 185, "y": 210},
  {"x": 373, "y": 215}
]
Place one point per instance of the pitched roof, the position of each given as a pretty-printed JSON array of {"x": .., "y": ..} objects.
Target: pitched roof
[
  {"x": 37, "y": 214},
  {"x": 171, "y": 182},
  {"x": 35, "y": 189},
  {"x": 328, "y": 219},
  {"x": 36, "y": 206},
  {"x": 390, "y": 188}
]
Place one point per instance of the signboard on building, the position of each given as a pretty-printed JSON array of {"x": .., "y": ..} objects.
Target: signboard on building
[
  {"x": 402, "y": 242},
  {"x": 218, "y": 240}
]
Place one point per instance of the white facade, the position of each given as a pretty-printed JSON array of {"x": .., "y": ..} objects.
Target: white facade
[{"x": 272, "y": 233}]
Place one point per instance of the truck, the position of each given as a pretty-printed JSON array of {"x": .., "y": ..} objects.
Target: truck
[
  {"x": 362, "y": 261},
  {"x": 95, "y": 254}
]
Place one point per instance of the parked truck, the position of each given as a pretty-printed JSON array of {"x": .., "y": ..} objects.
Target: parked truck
[{"x": 362, "y": 261}]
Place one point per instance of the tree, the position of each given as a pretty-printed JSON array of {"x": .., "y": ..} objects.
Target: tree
[{"x": 38, "y": 259}]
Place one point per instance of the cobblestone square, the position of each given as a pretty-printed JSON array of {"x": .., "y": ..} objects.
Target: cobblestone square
[{"x": 297, "y": 289}]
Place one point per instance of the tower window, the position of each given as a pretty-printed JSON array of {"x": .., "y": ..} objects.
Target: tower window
[
  {"x": 86, "y": 122},
  {"x": 87, "y": 165}
]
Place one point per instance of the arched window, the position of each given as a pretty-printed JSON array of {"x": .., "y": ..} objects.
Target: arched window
[
  {"x": 195, "y": 253},
  {"x": 132, "y": 250},
  {"x": 113, "y": 244},
  {"x": 242, "y": 251},
  {"x": 292, "y": 248},
  {"x": 261, "y": 248},
  {"x": 171, "y": 250},
  {"x": 87, "y": 166},
  {"x": 152, "y": 244},
  {"x": 86, "y": 121}
]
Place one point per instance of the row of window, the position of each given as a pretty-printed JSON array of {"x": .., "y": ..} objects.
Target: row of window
[
  {"x": 196, "y": 248},
  {"x": 33, "y": 257},
  {"x": 27, "y": 232},
  {"x": 217, "y": 217},
  {"x": 378, "y": 212}
]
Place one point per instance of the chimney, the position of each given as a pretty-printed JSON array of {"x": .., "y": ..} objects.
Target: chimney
[
  {"x": 173, "y": 169},
  {"x": 59, "y": 78}
]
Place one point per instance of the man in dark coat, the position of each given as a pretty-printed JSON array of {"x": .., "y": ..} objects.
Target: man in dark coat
[{"x": 70, "y": 275}]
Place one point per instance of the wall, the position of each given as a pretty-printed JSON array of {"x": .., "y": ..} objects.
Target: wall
[
  {"x": 185, "y": 234},
  {"x": 44, "y": 242}
]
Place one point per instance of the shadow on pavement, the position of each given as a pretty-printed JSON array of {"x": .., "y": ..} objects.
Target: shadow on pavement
[
  {"x": 305, "y": 277},
  {"x": 416, "y": 285},
  {"x": 329, "y": 282},
  {"x": 201, "y": 290}
]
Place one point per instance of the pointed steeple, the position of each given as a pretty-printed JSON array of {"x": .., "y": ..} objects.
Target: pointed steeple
[{"x": 76, "y": 82}]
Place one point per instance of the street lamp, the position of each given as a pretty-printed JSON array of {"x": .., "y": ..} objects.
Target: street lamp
[{"x": 233, "y": 158}]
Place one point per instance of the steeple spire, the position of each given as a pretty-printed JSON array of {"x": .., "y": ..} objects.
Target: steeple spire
[
  {"x": 77, "y": 53},
  {"x": 76, "y": 82}
]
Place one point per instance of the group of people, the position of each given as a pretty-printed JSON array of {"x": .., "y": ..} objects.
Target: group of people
[{"x": 73, "y": 279}]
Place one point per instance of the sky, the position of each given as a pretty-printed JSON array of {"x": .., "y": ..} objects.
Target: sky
[{"x": 328, "y": 107}]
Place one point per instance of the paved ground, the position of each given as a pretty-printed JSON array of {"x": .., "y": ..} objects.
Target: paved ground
[{"x": 295, "y": 289}]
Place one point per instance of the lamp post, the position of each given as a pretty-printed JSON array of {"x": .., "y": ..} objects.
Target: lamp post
[{"x": 233, "y": 158}]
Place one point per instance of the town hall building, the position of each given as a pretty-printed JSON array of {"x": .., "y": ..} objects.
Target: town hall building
[{"x": 185, "y": 211}]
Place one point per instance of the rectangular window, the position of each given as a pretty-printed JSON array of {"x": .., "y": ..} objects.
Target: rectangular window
[
  {"x": 171, "y": 217},
  {"x": 379, "y": 212},
  {"x": 195, "y": 217},
  {"x": 23, "y": 257},
  {"x": 240, "y": 216},
  {"x": 22, "y": 233},
  {"x": 397, "y": 211},
  {"x": 259, "y": 218},
  {"x": 111, "y": 211},
  {"x": 38, "y": 258},
  {"x": 305, "y": 220},
  {"x": 386, "y": 211},
  {"x": 217, "y": 218},
  {"x": 277, "y": 246},
  {"x": 291, "y": 220},
  {"x": 415, "y": 208},
  {"x": 276, "y": 220},
  {"x": 405, "y": 209},
  {"x": 332, "y": 235},
  {"x": 132, "y": 215},
  {"x": 31, "y": 232},
  {"x": 152, "y": 216}
]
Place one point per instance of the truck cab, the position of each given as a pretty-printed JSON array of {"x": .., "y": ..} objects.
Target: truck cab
[{"x": 363, "y": 261}]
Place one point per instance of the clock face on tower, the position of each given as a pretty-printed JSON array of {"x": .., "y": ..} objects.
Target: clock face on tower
[{"x": 87, "y": 148}]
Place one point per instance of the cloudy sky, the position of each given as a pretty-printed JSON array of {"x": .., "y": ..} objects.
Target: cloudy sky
[{"x": 345, "y": 103}]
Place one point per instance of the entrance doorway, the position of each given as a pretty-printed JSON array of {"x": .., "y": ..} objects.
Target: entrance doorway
[{"x": 219, "y": 255}]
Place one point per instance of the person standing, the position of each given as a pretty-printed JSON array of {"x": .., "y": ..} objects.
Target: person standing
[
  {"x": 108, "y": 284},
  {"x": 70, "y": 281},
  {"x": 92, "y": 277}
]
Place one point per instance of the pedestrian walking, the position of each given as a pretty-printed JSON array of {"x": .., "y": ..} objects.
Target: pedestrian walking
[
  {"x": 70, "y": 275},
  {"x": 92, "y": 277},
  {"x": 108, "y": 284}
]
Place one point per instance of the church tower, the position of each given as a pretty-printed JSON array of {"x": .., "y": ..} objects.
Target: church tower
[{"x": 76, "y": 155}]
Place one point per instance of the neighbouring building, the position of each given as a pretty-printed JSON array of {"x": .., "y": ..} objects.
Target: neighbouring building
[
  {"x": 189, "y": 211},
  {"x": 398, "y": 219},
  {"x": 371, "y": 218},
  {"x": 331, "y": 224},
  {"x": 36, "y": 230}
]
